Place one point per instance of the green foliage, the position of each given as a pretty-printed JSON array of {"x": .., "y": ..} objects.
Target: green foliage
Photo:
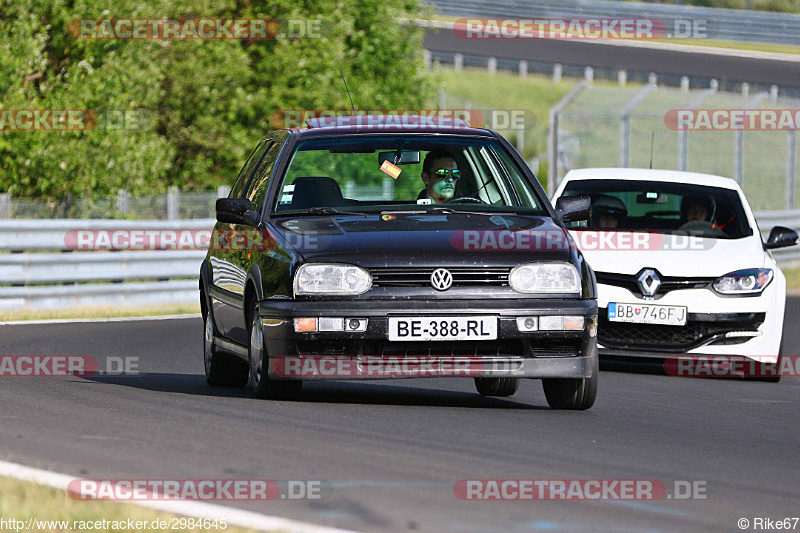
[{"x": 206, "y": 102}]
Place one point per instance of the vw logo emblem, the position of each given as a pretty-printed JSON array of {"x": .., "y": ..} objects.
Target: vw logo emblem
[
  {"x": 441, "y": 279},
  {"x": 649, "y": 281}
]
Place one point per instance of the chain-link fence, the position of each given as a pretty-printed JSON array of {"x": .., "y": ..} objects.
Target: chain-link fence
[
  {"x": 173, "y": 205},
  {"x": 690, "y": 130}
]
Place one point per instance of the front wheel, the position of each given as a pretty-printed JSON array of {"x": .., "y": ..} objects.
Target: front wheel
[
  {"x": 260, "y": 382},
  {"x": 222, "y": 370},
  {"x": 577, "y": 394}
]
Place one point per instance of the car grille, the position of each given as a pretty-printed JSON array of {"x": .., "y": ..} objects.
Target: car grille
[
  {"x": 419, "y": 277},
  {"x": 668, "y": 284},
  {"x": 623, "y": 335},
  {"x": 505, "y": 348}
]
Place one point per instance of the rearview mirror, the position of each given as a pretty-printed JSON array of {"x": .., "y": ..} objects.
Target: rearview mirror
[
  {"x": 236, "y": 211},
  {"x": 573, "y": 208},
  {"x": 406, "y": 157},
  {"x": 781, "y": 237}
]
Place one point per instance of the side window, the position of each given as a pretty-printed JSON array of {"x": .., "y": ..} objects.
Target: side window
[
  {"x": 247, "y": 170},
  {"x": 257, "y": 189}
]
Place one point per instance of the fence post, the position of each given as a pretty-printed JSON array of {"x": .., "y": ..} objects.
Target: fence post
[
  {"x": 683, "y": 135},
  {"x": 5, "y": 206},
  {"x": 173, "y": 202},
  {"x": 738, "y": 142},
  {"x": 442, "y": 98},
  {"x": 552, "y": 137},
  {"x": 122, "y": 201},
  {"x": 625, "y": 126},
  {"x": 790, "y": 169},
  {"x": 426, "y": 55}
]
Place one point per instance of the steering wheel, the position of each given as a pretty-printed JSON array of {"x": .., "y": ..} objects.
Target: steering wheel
[{"x": 465, "y": 200}]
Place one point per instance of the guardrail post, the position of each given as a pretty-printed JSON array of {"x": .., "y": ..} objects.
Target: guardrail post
[
  {"x": 622, "y": 77},
  {"x": 5, "y": 206},
  {"x": 557, "y": 72},
  {"x": 684, "y": 84},
  {"x": 790, "y": 169},
  {"x": 552, "y": 137},
  {"x": 491, "y": 65},
  {"x": 426, "y": 56},
  {"x": 588, "y": 74},
  {"x": 173, "y": 203},
  {"x": 458, "y": 62},
  {"x": 388, "y": 189},
  {"x": 523, "y": 68},
  {"x": 223, "y": 191},
  {"x": 773, "y": 94}
]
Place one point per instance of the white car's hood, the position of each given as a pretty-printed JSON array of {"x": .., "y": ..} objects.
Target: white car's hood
[{"x": 672, "y": 255}]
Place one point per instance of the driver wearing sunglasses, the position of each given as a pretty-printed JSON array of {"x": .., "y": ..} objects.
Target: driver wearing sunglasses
[{"x": 439, "y": 174}]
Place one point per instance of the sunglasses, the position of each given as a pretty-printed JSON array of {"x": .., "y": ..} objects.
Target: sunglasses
[{"x": 442, "y": 173}]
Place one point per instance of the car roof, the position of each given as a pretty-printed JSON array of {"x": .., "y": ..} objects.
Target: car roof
[
  {"x": 647, "y": 174},
  {"x": 388, "y": 124}
]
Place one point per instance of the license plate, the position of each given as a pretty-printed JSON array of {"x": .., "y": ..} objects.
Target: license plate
[
  {"x": 443, "y": 328},
  {"x": 666, "y": 315}
]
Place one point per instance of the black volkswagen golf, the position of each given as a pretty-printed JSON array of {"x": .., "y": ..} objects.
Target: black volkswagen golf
[{"x": 383, "y": 247}]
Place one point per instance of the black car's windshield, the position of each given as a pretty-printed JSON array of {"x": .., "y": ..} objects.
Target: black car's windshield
[
  {"x": 380, "y": 173},
  {"x": 662, "y": 207}
]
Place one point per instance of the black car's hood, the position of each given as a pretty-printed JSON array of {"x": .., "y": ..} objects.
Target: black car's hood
[{"x": 425, "y": 239}]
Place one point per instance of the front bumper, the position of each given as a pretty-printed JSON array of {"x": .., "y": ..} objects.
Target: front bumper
[{"x": 370, "y": 355}]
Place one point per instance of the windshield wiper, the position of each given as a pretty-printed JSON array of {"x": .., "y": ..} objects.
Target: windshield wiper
[{"x": 320, "y": 211}]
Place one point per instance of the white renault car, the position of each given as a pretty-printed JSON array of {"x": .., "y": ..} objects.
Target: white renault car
[{"x": 681, "y": 267}]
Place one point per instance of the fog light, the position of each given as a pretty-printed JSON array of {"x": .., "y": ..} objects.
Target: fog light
[
  {"x": 551, "y": 323},
  {"x": 331, "y": 324},
  {"x": 527, "y": 323},
  {"x": 305, "y": 325},
  {"x": 573, "y": 323},
  {"x": 356, "y": 324}
]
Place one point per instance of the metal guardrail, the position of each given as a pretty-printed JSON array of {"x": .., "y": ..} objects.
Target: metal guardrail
[
  {"x": 729, "y": 24},
  {"x": 38, "y": 271}
]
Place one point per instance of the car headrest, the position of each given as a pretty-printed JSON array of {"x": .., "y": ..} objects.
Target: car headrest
[{"x": 316, "y": 191}]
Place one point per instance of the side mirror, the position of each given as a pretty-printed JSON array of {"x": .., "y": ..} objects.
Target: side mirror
[
  {"x": 781, "y": 237},
  {"x": 573, "y": 208},
  {"x": 236, "y": 211}
]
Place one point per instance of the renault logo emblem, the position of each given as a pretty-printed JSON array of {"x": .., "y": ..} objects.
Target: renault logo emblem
[
  {"x": 441, "y": 279},
  {"x": 649, "y": 281}
]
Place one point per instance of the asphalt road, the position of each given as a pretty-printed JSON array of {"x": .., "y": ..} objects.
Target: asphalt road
[
  {"x": 640, "y": 59},
  {"x": 393, "y": 451}
]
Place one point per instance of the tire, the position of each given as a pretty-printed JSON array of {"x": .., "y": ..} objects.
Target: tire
[
  {"x": 222, "y": 369},
  {"x": 261, "y": 384},
  {"x": 576, "y": 394},
  {"x": 497, "y": 386}
]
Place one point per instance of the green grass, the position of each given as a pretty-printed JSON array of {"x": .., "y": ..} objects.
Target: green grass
[
  {"x": 792, "y": 279},
  {"x": 22, "y": 500},
  {"x": 99, "y": 312}
]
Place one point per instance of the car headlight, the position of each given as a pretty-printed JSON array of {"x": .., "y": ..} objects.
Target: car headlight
[
  {"x": 545, "y": 278},
  {"x": 331, "y": 278},
  {"x": 749, "y": 281}
]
